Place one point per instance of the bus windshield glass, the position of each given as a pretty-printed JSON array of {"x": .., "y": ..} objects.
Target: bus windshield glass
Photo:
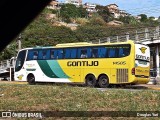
[{"x": 20, "y": 60}]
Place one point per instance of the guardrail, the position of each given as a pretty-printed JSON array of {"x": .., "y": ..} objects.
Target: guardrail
[
  {"x": 141, "y": 35},
  {"x": 6, "y": 64},
  {"x": 6, "y": 68}
]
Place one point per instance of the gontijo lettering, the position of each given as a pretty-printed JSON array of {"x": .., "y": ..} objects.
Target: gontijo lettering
[
  {"x": 82, "y": 63},
  {"x": 142, "y": 57}
]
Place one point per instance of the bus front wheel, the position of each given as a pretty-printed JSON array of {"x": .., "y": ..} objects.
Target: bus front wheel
[
  {"x": 90, "y": 80},
  {"x": 103, "y": 81},
  {"x": 31, "y": 79}
]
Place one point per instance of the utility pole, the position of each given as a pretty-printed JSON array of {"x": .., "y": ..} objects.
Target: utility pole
[{"x": 19, "y": 42}]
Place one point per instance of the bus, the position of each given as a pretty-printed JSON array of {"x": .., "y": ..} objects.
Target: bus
[{"x": 85, "y": 63}]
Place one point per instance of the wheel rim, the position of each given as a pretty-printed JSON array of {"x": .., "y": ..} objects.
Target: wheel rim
[
  {"x": 103, "y": 81},
  {"x": 91, "y": 81},
  {"x": 31, "y": 79}
]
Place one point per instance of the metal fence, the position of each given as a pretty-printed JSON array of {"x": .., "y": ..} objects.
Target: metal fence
[
  {"x": 5, "y": 64},
  {"x": 140, "y": 35}
]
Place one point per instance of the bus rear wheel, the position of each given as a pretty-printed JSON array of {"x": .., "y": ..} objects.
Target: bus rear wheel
[
  {"x": 90, "y": 80},
  {"x": 103, "y": 81},
  {"x": 31, "y": 79}
]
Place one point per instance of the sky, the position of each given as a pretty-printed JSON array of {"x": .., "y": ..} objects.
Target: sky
[{"x": 134, "y": 7}]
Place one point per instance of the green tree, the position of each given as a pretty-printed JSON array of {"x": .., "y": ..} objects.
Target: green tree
[
  {"x": 104, "y": 12},
  {"x": 9, "y": 51},
  {"x": 68, "y": 11},
  {"x": 128, "y": 20},
  {"x": 143, "y": 17},
  {"x": 151, "y": 18},
  {"x": 82, "y": 12}
]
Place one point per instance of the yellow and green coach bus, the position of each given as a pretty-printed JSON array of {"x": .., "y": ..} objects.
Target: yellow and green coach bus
[{"x": 85, "y": 63}]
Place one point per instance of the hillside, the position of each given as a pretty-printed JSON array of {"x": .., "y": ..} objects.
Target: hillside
[{"x": 48, "y": 29}]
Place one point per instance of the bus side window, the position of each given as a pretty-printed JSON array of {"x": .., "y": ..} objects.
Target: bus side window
[
  {"x": 112, "y": 53},
  {"x": 120, "y": 52},
  {"x": 60, "y": 54},
  {"x": 52, "y": 54},
  {"x": 30, "y": 55},
  {"x": 89, "y": 52},
  {"x": 126, "y": 51},
  {"x": 39, "y": 55},
  {"x": 123, "y": 52},
  {"x": 84, "y": 53},
  {"x": 45, "y": 54},
  {"x": 73, "y": 53},
  {"x": 94, "y": 53},
  {"x": 35, "y": 55},
  {"x": 102, "y": 52},
  {"x": 67, "y": 52}
]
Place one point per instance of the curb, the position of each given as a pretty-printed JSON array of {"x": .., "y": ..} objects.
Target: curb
[
  {"x": 154, "y": 88},
  {"x": 12, "y": 82}
]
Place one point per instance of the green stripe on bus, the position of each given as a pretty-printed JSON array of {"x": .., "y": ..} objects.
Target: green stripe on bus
[
  {"x": 56, "y": 68},
  {"x": 46, "y": 69}
]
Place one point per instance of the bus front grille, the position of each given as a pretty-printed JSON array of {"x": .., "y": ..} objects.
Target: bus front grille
[{"x": 122, "y": 75}]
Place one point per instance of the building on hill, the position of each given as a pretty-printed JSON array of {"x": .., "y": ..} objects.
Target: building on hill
[
  {"x": 75, "y": 2},
  {"x": 90, "y": 8},
  {"x": 116, "y": 12},
  {"x": 123, "y": 13},
  {"x": 53, "y": 5}
]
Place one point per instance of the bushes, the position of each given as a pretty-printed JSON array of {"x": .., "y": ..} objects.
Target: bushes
[
  {"x": 82, "y": 21},
  {"x": 97, "y": 20}
]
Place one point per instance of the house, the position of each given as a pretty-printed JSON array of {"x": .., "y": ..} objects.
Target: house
[
  {"x": 75, "y": 2},
  {"x": 90, "y": 8},
  {"x": 123, "y": 13},
  {"x": 53, "y": 5},
  {"x": 116, "y": 12}
]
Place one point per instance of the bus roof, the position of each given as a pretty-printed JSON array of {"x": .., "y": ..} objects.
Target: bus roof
[
  {"x": 79, "y": 44},
  {"x": 74, "y": 44}
]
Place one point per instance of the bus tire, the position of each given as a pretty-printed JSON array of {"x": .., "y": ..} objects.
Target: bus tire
[
  {"x": 103, "y": 81},
  {"x": 31, "y": 79},
  {"x": 90, "y": 80}
]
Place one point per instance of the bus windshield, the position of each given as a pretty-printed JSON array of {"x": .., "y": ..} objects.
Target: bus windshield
[{"x": 20, "y": 60}]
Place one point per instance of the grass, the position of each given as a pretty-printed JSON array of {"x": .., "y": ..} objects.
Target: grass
[{"x": 73, "y": 98}]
